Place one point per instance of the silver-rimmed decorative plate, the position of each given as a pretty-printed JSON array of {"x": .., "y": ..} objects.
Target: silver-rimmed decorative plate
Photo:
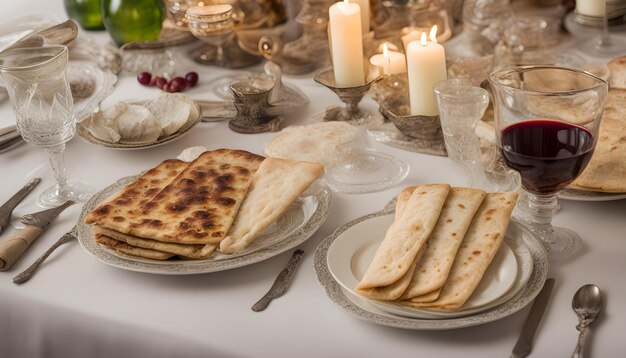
[
  {"x": 299, "y": 222},
  {"x": 85, "y": 135},
  {"x": 364, "y": 310},
  {"x": 582, "y": 195}
]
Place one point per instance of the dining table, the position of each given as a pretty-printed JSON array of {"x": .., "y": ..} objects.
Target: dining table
[{"x": 77, "y": 306}]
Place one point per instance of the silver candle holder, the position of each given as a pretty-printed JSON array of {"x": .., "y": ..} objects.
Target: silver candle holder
[
  {"x": 258, "y": 102},
  {"x": 416, "y": 133},
  {"x": 351, "y": 96}
]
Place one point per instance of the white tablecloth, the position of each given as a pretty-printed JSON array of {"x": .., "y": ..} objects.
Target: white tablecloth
[{"x": 78, "y": 307}]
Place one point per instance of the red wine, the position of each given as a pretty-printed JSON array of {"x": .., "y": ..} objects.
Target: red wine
[{"x": 548, "y": 154}]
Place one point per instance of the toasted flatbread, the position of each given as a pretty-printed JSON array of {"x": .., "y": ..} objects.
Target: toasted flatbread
[
  {"x": 116, "y": 212},
  {"x": 191, "y": 251},
  {"x": 617, "y": 67},
  {"x": 434, "y": 265},
  {"x": 402, "y": 242},
  {"x": 199, "y": 205},
  {"x": 131, "y": 250},
  {"x": 316, "y": 143},
  {"x": 275, "y": 185},
  {"x": 481, "y": 243},
  {"x": 606, "y": 171}
]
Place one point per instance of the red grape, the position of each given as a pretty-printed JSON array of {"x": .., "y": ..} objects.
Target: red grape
[
  {"x": 161, "y": 82},
  {"x": 173, "y": 86},
  {"x": 144, "y": 78},
  {"x": 192, "y": 78},
  {"x": 180, "y": 82}
]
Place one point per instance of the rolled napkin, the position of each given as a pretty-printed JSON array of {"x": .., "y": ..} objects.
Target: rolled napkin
[{"x": 12, "y": 249}]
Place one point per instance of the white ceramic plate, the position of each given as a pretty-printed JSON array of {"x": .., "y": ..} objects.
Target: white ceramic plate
[
  {"x": 351, "y": 253},
  {"x": 532, "y": 273},
  {"x": 301, "y": 220},
  {"x": 581, "y": 195},
  {"x": 85, "y": 135}
]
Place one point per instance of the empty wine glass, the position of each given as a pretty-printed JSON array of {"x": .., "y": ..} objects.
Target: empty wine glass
[
  {"x": 547, "y": 121},
  {"x": 42, "y": 101},
  {"x": 212, "y": 24},
  {"x": 604, "y": 44}
]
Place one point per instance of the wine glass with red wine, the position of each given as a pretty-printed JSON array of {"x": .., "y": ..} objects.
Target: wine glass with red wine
[{"x": 547, "y": 122}]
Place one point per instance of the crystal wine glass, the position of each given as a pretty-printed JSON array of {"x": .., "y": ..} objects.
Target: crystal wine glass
[
  {"x": 42, "y": 101},
  {"x": 604, "y": 44},
  {"x": 547, "y": 122},
  {"x": 212, "y": 24}
]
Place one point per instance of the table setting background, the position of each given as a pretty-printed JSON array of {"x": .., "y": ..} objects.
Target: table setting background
[{"x": 78, "y": 307}]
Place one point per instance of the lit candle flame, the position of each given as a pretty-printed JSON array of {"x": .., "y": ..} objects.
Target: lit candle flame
[
  {"x": 385, "y": 50},
  {"x": 433, "y": 34},
  {"x": 423, "y": 39}
]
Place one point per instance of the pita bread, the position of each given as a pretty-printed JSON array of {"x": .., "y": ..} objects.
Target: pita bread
[
  {"x": 434, "y": 265},
  {"x": 199, "y": 205},
  {"x": 316, "y": 143},
  {"x": 115, "y": 212},
  {"x": 191, "y": 251},
  {"x": 101, "y": 127},
  {"x": 396, "y": 254},
  {"x": 131, "y": 250},
  {"x": 615, "y": 105},
  {"x": 137, "y": 125},
  {"x": 172, "y": 111},
  {"x": 618, "y": 72},
  {"x": 479, "y": 246},
  {"x": 606, "y": 171},
  {"x": 275, "y": 185}
]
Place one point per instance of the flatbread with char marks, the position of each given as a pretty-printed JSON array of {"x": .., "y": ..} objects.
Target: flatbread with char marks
[
  {"x": 200, "y": 204},
  {"x": 115, "y": 212}
]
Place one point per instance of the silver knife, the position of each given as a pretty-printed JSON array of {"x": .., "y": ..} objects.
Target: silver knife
[
  {"x": 7, "y": 208},
  {"x": 281, "y": 283},
  {"x": 12, "y": 248},
  {"x": 524, "y": 344}
]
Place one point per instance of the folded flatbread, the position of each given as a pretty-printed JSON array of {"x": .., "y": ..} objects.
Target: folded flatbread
[
  {"x": 190, "y": 251},
  {"x": 397, "y": 253},
  {"x": 438, "y": 255},
  {"x": 428, "y": 297},
  {"x": 617, "y": 67},
  {"x": 606, "y": 171},
  {"x": 275, "y": 185},
  {"x": 123, "y": 247},
  {"x": 481, "y": 242},
  {"x": 116, "y": 212}
]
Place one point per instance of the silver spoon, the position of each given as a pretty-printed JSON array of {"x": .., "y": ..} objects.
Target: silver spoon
[{"x": 587, "y": 303}]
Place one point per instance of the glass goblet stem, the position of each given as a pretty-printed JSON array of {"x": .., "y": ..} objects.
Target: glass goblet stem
[
  {"x": 542, "y": 209},
  {"x": 58, "y": 167},
  {"x": 219, "y": 56}
]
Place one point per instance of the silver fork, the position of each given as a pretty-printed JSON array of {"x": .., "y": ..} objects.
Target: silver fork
[{"x": 29, "y": 272}]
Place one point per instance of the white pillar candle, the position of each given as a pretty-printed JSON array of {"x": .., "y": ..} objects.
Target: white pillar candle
[
  {"x": 346, "y": 42},
  {"x": 426, "y": 64},
  {"x": 591, "y": 7},
  {"x": 391, "y": 62},
  {"x": 364, "y": 5}
]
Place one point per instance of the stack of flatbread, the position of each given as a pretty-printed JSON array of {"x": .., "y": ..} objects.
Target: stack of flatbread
[
  {"x": 606, "y": 172},
  {"x": 222, "y": 201},
  {"x": 438, "y": 247}
]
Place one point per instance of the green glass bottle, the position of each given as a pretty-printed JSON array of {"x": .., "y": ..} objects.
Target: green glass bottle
[
  {"x": 88, "y": 13},
  {"x": 133, "y": 20}
]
